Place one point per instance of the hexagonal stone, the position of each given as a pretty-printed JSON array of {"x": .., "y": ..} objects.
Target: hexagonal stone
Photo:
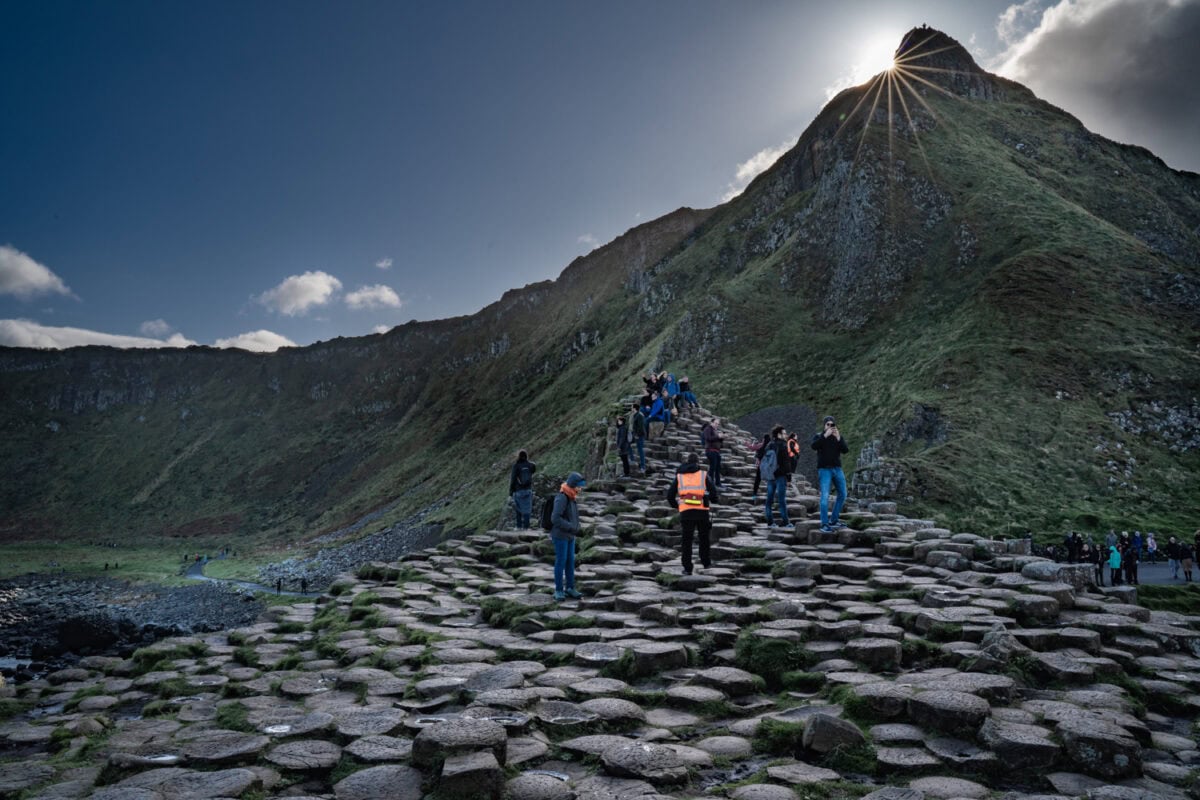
[
  {"x": 656, "y": 763},
  {"x": 763, "y": 791},
  {"x": 220, "y": 783},
  {"x": 369, "y": 721},
  {"x": 1019, "y": 746},
  {"x": 305, "y": 754},
  {"x": 651, "y": 658},
  {"x": 905, "y": 759},
  {"x": 612, "y": 709},
  {"x": 20, "y": 775},
  {"x": 225, "y": 747},
  {"x": 458, "y": 736},
  {"x": 476, "y": 774},
  {"x": 878, "y": 654},
  {"x": 380, "y": 748},
  {"x": 1101, "y": 749},
  {"x": 532, "y": 786},
  {"x": 689, "y": 696},
  {"x": 799, "y": 774},
  {"x": 726, "y": 746},
  {"x": 948, "y": 711},
  {"x": 948, "y": 788},
  {"x": 824, "y": 733},
  {"x": 592, "y": 745},
  {"x": 730, "y": 680},
  {"x": 885, "y": 700},
  {"x": 390, "y": 781}
]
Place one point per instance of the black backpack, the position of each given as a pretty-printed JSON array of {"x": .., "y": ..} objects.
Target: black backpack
[
  {"x": 524, "y": 475},
  {"x": 548, "y": 511}
]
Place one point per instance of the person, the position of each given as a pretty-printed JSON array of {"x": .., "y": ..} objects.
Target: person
[
  {"x": 685, "y": 391},
  {"x": 660, "y": 411},
  {"x": 1111, "y": 539},
  {"x": 639, "y": 436},
  {"x": 692, "y": 493},
  {"x": 758, "y": 454},
  {"x": 520, "y": 488},
  {"x": 778, "y": 483},
  {"x": 623, "y": 446},
  {"x": 712, "y": 450},
  {"x": 1114, "y": 565},
  {"x": 1187, "y": 554},
  {"x": 564, "y": 527},
  {"x": 1130, "y": 556},
  {"x": 1152, "y": 548},
  {"x": 830, "y": 446},
  {"x": 1077, "y": 541},
  {"x": 1173, "y": 557},
  {"x": 793, "y": 445},
  {"x": 304, "y": 586},
  {"x": 279, "y": 586},
  {"x": 1137, "y": 543},
  {"x": 672, "y": 389},
  {"x": 1097, "y": 561}
]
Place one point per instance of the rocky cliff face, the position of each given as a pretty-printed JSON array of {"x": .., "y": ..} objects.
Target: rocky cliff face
[{"x": 938, "y": 237}]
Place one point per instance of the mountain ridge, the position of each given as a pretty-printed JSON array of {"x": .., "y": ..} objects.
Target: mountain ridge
[{"x": 979, "y": 254}]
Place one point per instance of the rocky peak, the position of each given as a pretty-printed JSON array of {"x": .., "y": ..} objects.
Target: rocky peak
[{"x": 928, "y": 54}]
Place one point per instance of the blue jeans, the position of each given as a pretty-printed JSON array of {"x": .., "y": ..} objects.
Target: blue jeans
[
  {"x": 523, "y": 503},
  {"x": 641, "y": 445},
  {"x": 564, "y": 563},
  {"x": 778, "y": 486},
  {"x": 690, "y": 397},
  {"x": 825, "y": 475}
]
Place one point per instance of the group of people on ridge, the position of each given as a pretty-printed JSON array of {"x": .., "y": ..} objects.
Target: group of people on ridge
[{"x": 662, "y": 400}]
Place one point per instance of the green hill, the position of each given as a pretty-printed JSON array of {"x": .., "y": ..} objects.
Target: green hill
[{"x": 1007, "y": 303}]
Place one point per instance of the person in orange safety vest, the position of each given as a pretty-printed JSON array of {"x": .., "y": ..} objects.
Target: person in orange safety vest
[{"x": 692, "y": 492}]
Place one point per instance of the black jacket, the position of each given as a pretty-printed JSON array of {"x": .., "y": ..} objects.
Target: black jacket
[
  {"x": 784, "y": 465},
  {"x": 710, "y": 490},
  {"x": 829, "y": 450},
  {"x": 623, "y": 438},
  {"x": 514, "y": 478}
]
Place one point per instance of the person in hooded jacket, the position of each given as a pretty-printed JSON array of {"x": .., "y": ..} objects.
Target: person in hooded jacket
[
  {"x": 624, "y": 445},
  {"x": 520, "y": 488},
  {"x": 692, "y": 493},
  {"x": 564, "y": 527}
]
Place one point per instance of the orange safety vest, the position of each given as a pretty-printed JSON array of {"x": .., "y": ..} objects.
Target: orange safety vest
[{"x": 690, "y": 490}]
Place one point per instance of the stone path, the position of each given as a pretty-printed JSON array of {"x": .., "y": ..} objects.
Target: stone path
[{"x": 894, "y": 659}]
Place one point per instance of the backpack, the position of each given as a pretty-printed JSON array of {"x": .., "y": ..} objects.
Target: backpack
[
  {"x": 524, "y": 476},
  {"x": 769, "y": 463},
  {"x": 548, "y": 512}
]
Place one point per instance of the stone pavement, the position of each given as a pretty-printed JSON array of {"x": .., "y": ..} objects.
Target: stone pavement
[{"x": 894, "y": 659}]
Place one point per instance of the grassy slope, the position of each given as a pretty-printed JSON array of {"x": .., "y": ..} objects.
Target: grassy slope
[{"x": 273, "y": 450}]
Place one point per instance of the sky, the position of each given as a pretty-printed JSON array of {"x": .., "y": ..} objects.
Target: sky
[{"x": 277, "y": 173}]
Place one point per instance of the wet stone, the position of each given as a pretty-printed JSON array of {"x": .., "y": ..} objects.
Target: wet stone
[
  {"x": 592, "y": 745},
  {"x": 1101, "y": 749},
  {"x": 732, "y": 681},
  {"x": 824, "y": 733},
  {"x": 371, "y": 721},
  {"x": 198, "y": 785},
  {"x": 763, "y": 791},
  {"x": 905, "y": 759},
  {"x": 688, "y": 696},
  {"x": 611, "y": 709},
  {"x": 15, "y": 777}
]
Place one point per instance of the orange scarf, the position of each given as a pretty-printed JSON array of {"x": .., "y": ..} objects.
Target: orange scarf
[{"x": 568, "y": 491}]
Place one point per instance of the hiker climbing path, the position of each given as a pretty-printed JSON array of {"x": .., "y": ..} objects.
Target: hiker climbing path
[{"x": 893, "y": 659}]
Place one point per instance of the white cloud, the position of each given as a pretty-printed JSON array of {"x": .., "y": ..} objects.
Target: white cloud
[
  {"x": 23, "y": 277},
  {"x": 298, "y": 293},
  {"x": 752, "y": 167},
  {"x": 24, "y": 333},
  {"x": 589, "y": 241},
  {"x": 382, "y": 328},
  {"x": 384, "y": 263},
  {"x": 156, "y": 328},
  {"x": 256, "y": 341},
  {"x": 373, "y": 297},
  {"x": 1126, "y": 68}
]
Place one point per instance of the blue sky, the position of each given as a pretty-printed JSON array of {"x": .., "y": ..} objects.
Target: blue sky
[{"x": 298, "y": 171}]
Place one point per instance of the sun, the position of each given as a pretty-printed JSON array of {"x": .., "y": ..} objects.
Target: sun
[{"x": 875, "y": 53}]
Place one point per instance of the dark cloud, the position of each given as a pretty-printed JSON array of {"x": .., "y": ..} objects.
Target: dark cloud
[{"x": 1129, "y": 69}]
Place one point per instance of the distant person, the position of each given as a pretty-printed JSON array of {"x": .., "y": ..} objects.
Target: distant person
[
  {"x": 712, "y": 450},
  {"x": 793, "y": 445},
  {"x": 638, "y": 425},
  {"x": 564, "y": 521},
  {"x": 692, "y": 492},
  {"x": 304, "y": 586},
  {"x": 672, "y": 390},
  {"x": 1096, "y": 559},
  {"x": 1114, "y": 565},
  {"x": 1110, "y": 539},
  {"x": 1173, "y": 557},
  {"x": 279, "y": 586},
  {"x": 1187, "y": 555},
  {"x": 520, "y": 488},
  {"x": 775, "y": 468},
  {"x": 1151, "y": 548},
  {"x": 1130, "y": 557},
  {"x": 830, "y": 446},
  {"x": 758, "y": 454},
  {"x": 624, "y": 448},
  {"x": 660, "y": 411},
  {"x": 685, "y": 391}
]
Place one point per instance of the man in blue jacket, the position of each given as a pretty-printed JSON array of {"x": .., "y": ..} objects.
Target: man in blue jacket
[{"x": 830, "y": 446}]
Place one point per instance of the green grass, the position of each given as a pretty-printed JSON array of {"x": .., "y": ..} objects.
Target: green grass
[
  {"x": 1183, "y": 599},
  {"x": 777, "y": 737},
  {"x": 770, "y": 659}
]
